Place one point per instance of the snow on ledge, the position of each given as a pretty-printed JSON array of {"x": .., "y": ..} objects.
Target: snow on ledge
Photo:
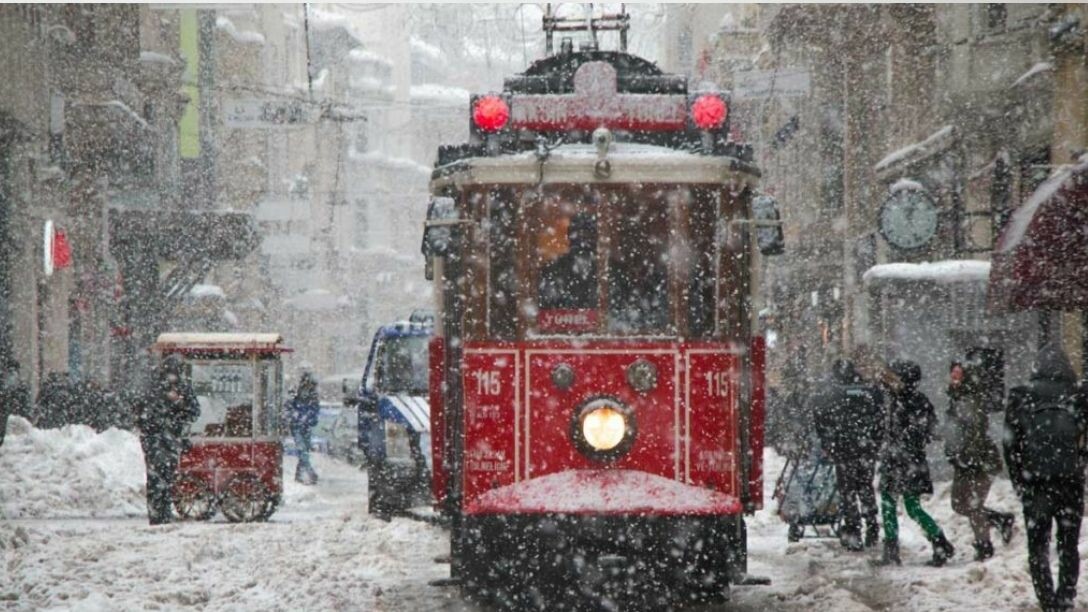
[
  {"x": 942, "y": 272},
  {"x": 919, "y": 147},
  {"x": 240, "y": 36},
  {"x": 905, "y": 184},
  {"x": 1034, "y": 70}
]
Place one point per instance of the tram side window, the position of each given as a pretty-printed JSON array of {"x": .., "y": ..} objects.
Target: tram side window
[
  {"x": 568, "y": 272},
  {"x": 702, "y": 282},
  {"x": 502, "y": 243},
  {"x": 638, "y": 286}
]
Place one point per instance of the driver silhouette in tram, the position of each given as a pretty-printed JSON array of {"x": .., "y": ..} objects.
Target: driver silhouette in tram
[{"x": 570, "y": 281}]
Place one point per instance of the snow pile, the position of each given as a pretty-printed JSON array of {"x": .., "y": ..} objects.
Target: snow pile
[
  {"x": 70, "y": 472},
  {"x": 951, "y": 271}
]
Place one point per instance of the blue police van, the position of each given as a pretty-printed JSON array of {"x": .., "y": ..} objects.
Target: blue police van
[{"x": 395, "y": 416}]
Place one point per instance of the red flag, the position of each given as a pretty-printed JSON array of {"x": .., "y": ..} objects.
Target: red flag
[{"x": 62, "y": 252}]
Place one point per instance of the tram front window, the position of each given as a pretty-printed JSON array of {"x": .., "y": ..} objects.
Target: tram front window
[
  {"x": 569, "y": 280},
  {"x": 638, "y": 296}
]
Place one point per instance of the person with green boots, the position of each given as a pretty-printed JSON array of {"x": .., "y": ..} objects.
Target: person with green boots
[{"x": 904, "y": 469}]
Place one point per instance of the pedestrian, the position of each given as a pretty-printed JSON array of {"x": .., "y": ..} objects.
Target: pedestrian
[
  {"x": 14, "y": 395},
  {"x": 974, "y": 457},
  {"x": 1045, "y": 423},
  {"x": 164, "y": 414},
  {"x": 303, "y": 410},
  {"x": 904, "y": 469},
  {"x": 848, "y": 419}
]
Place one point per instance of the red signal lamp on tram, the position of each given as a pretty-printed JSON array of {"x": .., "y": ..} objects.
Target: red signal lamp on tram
[
  {"x": 490, "y": 113},
  {"x": 709, "y": 112}
]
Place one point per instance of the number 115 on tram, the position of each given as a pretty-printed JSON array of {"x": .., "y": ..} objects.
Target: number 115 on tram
[{"x": 596, "y": 387}]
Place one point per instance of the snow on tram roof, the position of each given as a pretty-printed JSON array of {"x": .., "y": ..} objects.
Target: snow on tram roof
[
  {"x": 630, "y": 162},
  {"x": 192, "y": 340}
]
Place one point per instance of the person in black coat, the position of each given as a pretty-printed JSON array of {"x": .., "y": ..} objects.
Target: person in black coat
[
  {"x": 849, "y": 423},
  {"x": 1045, "y": 423},
  {"x": 163, "y": 416},
  {"x": 904, "y": 468}
]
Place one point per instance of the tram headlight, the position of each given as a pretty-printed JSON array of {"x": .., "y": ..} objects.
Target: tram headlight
[
  {"x": 642, "y": 376},
  {"x": 603, "y": 428}
]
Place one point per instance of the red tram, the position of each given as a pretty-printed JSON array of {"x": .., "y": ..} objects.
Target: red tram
[{"x": 596, "y": 385}]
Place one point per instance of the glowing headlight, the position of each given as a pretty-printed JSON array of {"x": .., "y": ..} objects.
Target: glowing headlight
[
  {"x": 642, "y": 376},
  {"x": 603, "y": 428}
]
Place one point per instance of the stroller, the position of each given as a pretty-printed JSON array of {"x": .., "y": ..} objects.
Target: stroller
[{"x": 807, "y": 495}]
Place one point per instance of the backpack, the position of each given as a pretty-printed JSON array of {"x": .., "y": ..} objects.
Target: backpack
[{"x": 1053, "y": 440}]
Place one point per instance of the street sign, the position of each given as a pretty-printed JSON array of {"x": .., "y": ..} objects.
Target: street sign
[
  {"x": 781, "y": 83},
  {"x": 256, "y": 113}
]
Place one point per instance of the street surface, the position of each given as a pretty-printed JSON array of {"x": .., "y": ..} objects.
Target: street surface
[{"x": 322, "y": 551}]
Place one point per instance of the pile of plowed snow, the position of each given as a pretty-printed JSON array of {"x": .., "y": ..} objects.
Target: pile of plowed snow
[{"x": 70, "y": 472}]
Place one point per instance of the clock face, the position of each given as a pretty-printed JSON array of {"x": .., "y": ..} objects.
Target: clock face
[{"x": 908, "y": 219}]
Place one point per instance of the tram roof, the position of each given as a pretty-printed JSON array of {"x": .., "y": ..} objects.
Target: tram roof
[{"x": 576, "y": 163}]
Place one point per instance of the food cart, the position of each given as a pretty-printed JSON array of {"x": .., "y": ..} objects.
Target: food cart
[{"x": 234, "y": 459}]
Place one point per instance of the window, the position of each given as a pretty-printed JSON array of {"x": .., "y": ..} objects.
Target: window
[
  {"x": 638, "y": 266},
  {"x": 996, "y": 15},
  {"x": 402, "y": 365},
  {"x": 502, "y": 243},
  {"x": 225, "y": 393},
  {"x": 564, "y": 257}
]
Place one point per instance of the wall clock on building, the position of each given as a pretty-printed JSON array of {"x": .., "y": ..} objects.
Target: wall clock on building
[{"x": 908, "y": 218}]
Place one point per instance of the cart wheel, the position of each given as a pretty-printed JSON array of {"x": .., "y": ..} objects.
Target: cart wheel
[
  {"x": 246, "y": 499},
  {"x": 193, "y": 498}
]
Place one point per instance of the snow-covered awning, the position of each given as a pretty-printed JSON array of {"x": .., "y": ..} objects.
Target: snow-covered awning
[
  {"x": 940, "y": 272},
  {"x": 1042, "y": 254}
]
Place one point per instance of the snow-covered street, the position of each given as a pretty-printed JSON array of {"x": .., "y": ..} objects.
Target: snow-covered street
[{"x": 73, "y": 537}]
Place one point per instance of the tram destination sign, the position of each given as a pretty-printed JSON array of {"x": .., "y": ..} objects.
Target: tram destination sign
[{"x": 597, "y": 103}]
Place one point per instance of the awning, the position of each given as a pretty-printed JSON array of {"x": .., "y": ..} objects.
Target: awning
[{"x": 1041, "y": 259}]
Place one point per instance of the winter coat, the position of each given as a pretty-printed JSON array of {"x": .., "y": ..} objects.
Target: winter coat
[
  {"x": 968, "y": 445},
  {"x": 165, "y": 413},
  {"x": 904, "y": 469},
  {"x": 304, "y": 407},
  {"x": 1052, "y": 381},
  {"x": 848, "y": 415}
]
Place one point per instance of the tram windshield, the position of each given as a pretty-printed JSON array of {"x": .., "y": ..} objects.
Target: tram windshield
[{"x": 602, "y": 255}]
